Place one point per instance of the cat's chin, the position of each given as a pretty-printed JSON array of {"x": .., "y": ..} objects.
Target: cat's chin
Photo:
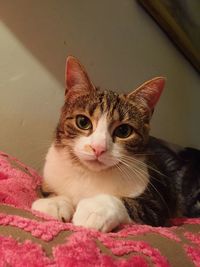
[{"x": 95, "y": 165}]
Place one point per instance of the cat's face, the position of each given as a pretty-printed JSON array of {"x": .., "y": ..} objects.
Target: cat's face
[{"x": 100, "y": 129}]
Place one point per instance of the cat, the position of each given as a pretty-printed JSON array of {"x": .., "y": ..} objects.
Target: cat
[{"x": 103, "y": 168}]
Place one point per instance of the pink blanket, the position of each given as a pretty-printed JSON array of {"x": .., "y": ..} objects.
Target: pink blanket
[{"x": 32, "y": 239}]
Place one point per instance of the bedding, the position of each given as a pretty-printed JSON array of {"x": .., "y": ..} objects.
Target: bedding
[{"x": 30, "y": 238}]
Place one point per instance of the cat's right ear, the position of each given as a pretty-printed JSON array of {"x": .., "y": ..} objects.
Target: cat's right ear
[
  {"x": 76, "y": 78},
  {"x": 149, "y": 92}
]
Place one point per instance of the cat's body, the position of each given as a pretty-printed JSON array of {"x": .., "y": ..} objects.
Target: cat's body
[
  {"x": 103, "y": 168},
  {"x": 78, "y": 183}
]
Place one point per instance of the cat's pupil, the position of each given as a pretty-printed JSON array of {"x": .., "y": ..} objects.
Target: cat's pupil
[
  {"x": 83, "y": 122},
  {"x": 123, "y": 131}
]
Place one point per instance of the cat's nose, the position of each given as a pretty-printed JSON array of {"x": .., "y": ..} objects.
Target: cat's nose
[{"x": 98, "y": 150}]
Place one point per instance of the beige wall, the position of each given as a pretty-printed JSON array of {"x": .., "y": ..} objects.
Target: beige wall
[{"x": 120, "y": 45}]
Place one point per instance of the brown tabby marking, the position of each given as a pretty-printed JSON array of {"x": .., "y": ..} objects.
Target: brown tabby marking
[{"x": 117, "y": 108}]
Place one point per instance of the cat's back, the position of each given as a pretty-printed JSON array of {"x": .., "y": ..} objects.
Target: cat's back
[
  {"x": 180, "y": 171},
  {"x": 172, "y": 157}
]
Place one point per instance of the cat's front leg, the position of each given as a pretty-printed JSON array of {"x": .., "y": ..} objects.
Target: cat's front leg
[
  {"x": 102, "y": 212},
  {"x": 58, "y": 207}
]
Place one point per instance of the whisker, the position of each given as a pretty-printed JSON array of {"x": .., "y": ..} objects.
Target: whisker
[
  {"x": 142, "y": 173},
  {"x": 142, "y": 165},
  {"x": 132, "y": 171},
  {"x": 134, "y": 160},
  {"x": 125, "y": 171}
]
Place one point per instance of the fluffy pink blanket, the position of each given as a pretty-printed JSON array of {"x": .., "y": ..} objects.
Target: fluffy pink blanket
[{"x": 32, "y": 239}]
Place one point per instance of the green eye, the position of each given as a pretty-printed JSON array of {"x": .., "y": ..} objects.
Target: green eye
[
  {"x": 83, "y": 122},
  {"x": 123, "y": 131}
]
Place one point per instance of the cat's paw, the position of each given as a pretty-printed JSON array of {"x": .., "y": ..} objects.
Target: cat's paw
[
  {"x": 58, "y": 207},
  {"x": 102, "y": 212}
]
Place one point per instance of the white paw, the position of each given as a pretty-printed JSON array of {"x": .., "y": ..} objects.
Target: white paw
[
  {"x": 58, "y": 207},
  {"x": 102, "y": 212}
]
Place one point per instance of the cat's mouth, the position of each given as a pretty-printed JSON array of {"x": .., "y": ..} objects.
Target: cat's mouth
[{"x": 95, "y": 164}]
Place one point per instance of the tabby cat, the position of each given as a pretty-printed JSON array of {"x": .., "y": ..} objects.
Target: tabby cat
[{"x": 103, "y": 169}]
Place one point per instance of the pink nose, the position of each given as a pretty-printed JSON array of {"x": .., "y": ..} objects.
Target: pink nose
[{"x": 99, "y": 150}]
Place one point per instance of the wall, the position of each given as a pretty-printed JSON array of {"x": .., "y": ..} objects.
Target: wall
[{"x": 120, "y": 45}]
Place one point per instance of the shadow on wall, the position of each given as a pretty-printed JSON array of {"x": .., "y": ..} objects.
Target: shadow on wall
[
  {"x": 110, "y": 33},
  {"x": 38, "y": 25},
  {"x": 51, "y": 30}
]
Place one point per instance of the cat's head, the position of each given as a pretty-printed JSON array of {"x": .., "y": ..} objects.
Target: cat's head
[{"x": 101, "y": 128}]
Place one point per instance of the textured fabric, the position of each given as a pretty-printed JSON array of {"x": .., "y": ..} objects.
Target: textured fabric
[
  {"x": 33, "y": 239},
  {"x": 18, "y": 183}
]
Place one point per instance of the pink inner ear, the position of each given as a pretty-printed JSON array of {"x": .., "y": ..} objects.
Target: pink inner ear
[
  {"x": 151, "y": 91},
  {"x": 76, "y": 78},
  {"x": 156, "y": 87},
  {"x": 72, "y": 72}
]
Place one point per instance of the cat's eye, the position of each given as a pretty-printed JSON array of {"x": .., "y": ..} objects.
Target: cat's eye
[
  {"x": 83, "y": 122},
  {"x": 123, "y": 131}
]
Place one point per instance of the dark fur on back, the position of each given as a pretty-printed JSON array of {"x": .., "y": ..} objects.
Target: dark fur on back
[
  {"x": 190, "y": 184},
  {"x": 174, "y": 187}
]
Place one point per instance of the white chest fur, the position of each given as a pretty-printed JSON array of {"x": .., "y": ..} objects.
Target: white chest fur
[{"x": 66, "y": 178}]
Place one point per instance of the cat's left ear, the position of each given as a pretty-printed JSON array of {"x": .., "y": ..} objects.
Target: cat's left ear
[
  {"x": 149, "y": 92},
  {"x": 76, "y": 77}
]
